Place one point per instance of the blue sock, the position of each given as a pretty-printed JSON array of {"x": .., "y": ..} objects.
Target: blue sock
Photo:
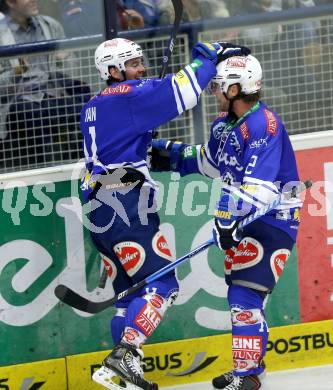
[{"x": 249, "y": 330}]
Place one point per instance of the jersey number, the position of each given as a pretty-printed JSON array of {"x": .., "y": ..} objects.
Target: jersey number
[
  {"x": 92, "y": 132},
  {"x": 251, "y": 165}
]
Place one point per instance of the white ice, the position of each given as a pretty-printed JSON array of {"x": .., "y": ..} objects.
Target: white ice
[{"x": 313, "y": 378}]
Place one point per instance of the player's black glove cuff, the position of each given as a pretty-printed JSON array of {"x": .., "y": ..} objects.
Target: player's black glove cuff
[
  {"x": 230, "y": 50},
  {"x": 159, "y": 160},
  {"x": 226, "y": 237}
]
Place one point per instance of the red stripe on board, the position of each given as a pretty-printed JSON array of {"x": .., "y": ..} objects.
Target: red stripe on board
[{"x": 314, "y": 254}]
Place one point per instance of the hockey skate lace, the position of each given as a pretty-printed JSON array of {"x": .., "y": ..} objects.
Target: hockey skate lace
[
  {"x": 229, "y": 376},
  {"x": 134, "y": 363},
  {"x": 236, "y": 383}
]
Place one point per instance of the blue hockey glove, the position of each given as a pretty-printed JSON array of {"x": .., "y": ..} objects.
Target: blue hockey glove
[
  {"x": 208, "y": 50},
  {"x": 162, "y": 144},
  {"x": 219, "y": 51},
  {"x": 165, "y": 153},
  {"x": 225, "y": 232}
]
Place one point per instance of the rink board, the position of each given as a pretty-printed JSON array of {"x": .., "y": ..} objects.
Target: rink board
[
  {"x": 184, "y": 361},
  {"x": 45, "y": 242},
  {"x": 315, "y": 238},
  {"x": 196, "y": 360},
  {"x": 45, "y": 375}
]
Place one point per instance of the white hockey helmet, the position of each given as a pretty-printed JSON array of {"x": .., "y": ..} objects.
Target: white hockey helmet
[
  {"x": 115, "y": 52},
  {"x": 245, "y": 71}
]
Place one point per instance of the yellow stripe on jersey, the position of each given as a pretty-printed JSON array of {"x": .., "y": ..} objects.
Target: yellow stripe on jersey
[
  {"x": 181, "y": 78},
  {"x": 223, "y": 214},
  {"x": 249, "y": 188}
]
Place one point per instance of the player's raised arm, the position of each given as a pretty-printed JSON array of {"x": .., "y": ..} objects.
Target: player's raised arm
[{"x": 157, "y": 101}]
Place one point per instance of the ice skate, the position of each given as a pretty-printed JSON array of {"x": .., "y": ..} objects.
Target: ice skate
[
  {"x": 222, "y": 381},
  {"x": 122, "y": 370},
  {"x": 249, "y": 382}
]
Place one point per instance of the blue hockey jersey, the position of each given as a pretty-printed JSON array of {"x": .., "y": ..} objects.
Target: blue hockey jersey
[
  {"x": 117, "y": 124},
  {"x": 254, "y": 158}
]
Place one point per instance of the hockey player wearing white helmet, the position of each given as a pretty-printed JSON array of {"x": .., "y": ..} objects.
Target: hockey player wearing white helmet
[
  {"x": 117, "y": 129},
  {"x": 250, "y": 151},
  {"x": 115, "y": 57},
  {"x": 244, "y": 71}
]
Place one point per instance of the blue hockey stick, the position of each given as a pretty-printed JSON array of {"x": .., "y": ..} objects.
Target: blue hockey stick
[{"x": 71, "y": 298}]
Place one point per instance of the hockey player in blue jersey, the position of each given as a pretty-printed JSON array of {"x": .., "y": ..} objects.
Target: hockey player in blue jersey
[
  {"x": 117, "y": 126},
  {"x": 249, "y": 149}
]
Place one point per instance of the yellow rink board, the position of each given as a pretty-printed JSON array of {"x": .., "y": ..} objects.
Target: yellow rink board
[
  {"x": 200, "y": 359},
  {"x": 178, "y": 362},
  {"x": 45, "y": 375}
]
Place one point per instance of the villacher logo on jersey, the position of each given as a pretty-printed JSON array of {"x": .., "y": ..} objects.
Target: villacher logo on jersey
[{"x": 131, "y": 255}]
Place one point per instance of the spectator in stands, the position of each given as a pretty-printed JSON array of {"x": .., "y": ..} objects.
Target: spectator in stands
[
  {"x": 49, "y": 8},
  {"x": 86, "y": 17},
  {"x": 323, "y": 2},
  {"x": 297, "y": 63},
  {"x": 194, "y": 10},
  {"x": 204, "y": 9},
  {"x": 265, "y": 34},
  {"x": 36, "y": 98},
  {"x": 239, "y": 7},
  {"x": 149, "y": 9}
]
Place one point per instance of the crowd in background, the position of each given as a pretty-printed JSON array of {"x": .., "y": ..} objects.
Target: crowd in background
[
  {"x": 37, "y": 96},
  {"x": 83, "y": 17}
]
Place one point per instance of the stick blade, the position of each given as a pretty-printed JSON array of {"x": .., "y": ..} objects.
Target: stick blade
[
  {"x": 71, "y": 298},
  {"x": 60, "y": 292}
]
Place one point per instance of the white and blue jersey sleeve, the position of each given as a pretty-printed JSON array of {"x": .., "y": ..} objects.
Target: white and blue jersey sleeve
[
  {"x": 117, "y": 124},
  {"x": 255, "y": 161},
  {"x": 194, "y": 159}
]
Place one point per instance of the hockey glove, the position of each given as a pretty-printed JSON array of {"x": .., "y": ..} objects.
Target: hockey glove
[
  {"x": 225, "y": 232},
  {"x": 219, "y": 51},
  {"x": 165, "y": 154},
  {"x": 231, "y": 49}
]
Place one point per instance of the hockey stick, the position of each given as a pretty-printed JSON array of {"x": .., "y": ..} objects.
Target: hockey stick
[
  {"x": 71, "y": 298},
  {"x": 178, "y": 7},
  {"x": 103, "y": 278},
  {"x": 272, "y": 205}
]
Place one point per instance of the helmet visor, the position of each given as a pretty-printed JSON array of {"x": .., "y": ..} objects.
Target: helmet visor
[{"x": 213, "y": 87}]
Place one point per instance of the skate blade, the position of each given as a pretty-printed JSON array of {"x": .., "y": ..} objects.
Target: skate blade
[{"x": 108, "y": 378}]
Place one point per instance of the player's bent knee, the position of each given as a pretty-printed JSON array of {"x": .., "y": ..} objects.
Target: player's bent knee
[{"x": 166, "y": 288}]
